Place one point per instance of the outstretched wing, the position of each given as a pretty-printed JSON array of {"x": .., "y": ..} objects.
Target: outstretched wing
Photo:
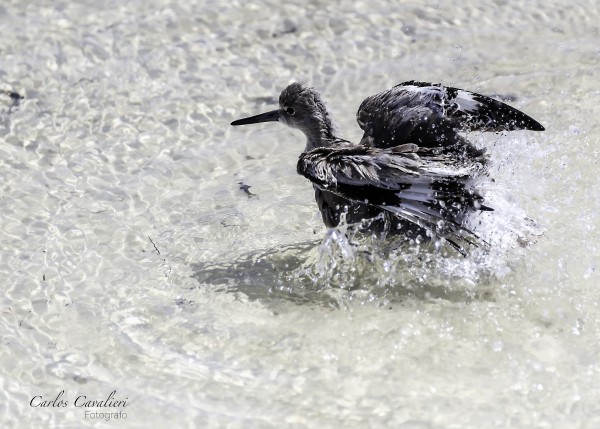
[
  {"x": 388, "y": 169},
  {"x": 419, "y": 186},
  {"x": 432, "y": 114}
]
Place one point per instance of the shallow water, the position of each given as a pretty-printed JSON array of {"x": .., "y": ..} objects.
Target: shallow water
[{"x": 135, "y": 262}]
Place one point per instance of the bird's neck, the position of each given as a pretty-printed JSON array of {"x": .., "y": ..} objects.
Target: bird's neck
[{"x": 322, "y": 134}]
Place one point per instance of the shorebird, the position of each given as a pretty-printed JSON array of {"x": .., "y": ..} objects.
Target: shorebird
[{"x": 412, "y": 173}]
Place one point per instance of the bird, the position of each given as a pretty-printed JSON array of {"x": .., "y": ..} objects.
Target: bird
[{"x": 413, "y": 172}]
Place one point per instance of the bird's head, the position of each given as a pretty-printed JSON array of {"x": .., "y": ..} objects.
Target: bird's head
[{"x": 300, "y": 107}]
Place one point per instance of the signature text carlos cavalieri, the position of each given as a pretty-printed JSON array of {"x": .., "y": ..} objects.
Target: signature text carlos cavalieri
[{"x": 82, "y": 402}]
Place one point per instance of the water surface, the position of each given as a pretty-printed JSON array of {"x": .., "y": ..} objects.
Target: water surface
[{"x": 133, "y": 260}]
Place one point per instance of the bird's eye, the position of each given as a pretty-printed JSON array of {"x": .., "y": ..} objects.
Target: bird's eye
[{"x": 290, "y": 110}]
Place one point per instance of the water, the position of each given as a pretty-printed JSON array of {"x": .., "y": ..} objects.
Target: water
[{"x": 133, "y": 262}]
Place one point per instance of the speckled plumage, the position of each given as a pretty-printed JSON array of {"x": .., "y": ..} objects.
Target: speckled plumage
[{"x": 412, "y": 172}]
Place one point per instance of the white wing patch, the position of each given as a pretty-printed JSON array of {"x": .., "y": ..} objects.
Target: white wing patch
[{"x": 466, "y": 101}]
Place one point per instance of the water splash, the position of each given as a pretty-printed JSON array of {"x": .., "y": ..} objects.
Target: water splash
[{"x": 347, "y": 265}]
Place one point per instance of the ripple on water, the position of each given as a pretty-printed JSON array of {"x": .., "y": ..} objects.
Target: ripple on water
[{"x": 133, "y": 260}]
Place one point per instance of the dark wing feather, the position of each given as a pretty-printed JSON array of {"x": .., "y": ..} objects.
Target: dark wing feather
[
  {"x": 432, "y": 114},
  {"x": 418, "y": 186},
  {"x": 391, "y": 168}
]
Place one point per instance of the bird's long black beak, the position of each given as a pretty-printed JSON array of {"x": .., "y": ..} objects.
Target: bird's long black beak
[{"x": 263, "y": 117}]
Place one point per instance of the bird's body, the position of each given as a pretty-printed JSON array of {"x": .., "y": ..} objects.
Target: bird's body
[{"x": 412, "y": 172}]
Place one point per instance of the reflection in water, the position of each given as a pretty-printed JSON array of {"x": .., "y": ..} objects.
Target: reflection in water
[
  {"x": 349, "y": 266},
  {"x": 266, "y": 275}
]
